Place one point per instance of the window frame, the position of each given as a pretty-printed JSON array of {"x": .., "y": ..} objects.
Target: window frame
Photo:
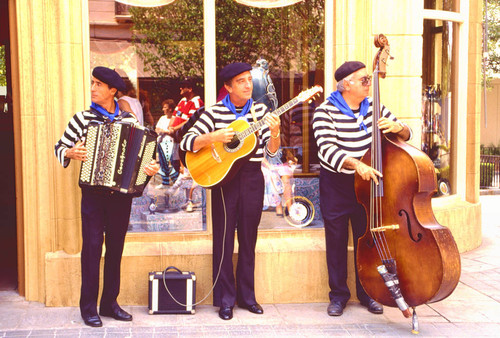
[{"x": 459, "y": 101}]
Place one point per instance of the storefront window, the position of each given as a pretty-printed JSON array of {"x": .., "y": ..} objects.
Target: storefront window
[
  {"x": 286, "y": 44},
  {"x": 156, "y": 49},
  {"x": 437, "y": 98}
]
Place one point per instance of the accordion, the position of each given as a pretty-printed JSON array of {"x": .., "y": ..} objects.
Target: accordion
[{"x": 116, "y": 156}]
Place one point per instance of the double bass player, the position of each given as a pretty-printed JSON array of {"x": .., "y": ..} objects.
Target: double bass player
[{"x": 342, "y": 127}]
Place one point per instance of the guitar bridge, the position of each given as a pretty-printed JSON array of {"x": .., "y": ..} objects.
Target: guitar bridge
[{"x": 215, "y": 155}]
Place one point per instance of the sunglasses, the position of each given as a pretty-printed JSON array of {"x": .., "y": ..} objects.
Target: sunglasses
[{"x": 365, "y": 80}]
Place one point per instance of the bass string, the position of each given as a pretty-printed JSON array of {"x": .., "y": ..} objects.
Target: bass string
[
  {"x": 376, "y": 190},
  {"x": 376, "y": 223}
]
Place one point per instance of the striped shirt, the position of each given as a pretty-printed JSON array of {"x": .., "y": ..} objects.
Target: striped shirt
[
  {"x": 77, "y": 130},
  {"x": 339, "y": 136},
  {"x": 219, "y": 117}
]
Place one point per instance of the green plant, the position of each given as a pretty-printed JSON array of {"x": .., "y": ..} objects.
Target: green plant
[
  {"x": 489, "y": 150},
  {"x": 3, "y": 67},
  {"x": 169, "y": 39},
  {"x": 492, "y": 61}
]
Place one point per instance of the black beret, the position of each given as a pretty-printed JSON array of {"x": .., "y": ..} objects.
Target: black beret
[
  {"x": 347, "y": 69},
  {"x": 109, "y": 77},
  {"x": 233, "y": 69}
]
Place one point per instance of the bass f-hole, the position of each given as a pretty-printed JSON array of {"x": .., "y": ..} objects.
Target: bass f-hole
[{"x": 408, "y": 224}]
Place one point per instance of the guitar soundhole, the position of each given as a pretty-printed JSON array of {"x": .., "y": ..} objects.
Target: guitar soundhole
[{"x": 234, "y": 145}]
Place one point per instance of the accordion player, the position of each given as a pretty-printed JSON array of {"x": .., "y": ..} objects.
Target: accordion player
[{"x": 116, "y": 156}]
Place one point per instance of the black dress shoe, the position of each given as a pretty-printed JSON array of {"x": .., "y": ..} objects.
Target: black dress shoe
[
  {"x": 117, "y": 313},
  {"x": 373, "y": 307},
  {"x": 93, "y": 321},
  {"x": 255, "y": 308},
  {"x": 335, "y": 308},
  {"x": 226, "y": 312}
]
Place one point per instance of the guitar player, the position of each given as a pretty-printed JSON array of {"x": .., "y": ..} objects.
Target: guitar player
[{"x": 238, "y": 202}]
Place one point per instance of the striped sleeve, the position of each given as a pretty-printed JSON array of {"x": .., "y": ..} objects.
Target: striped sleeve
[
  {"x": 204, "y": 125},
  {"x": 339, "y": 136},
  {"x": 72, "y": 134},
  {"x": 331, "y": 156},
  {"x": 386, "y": 113}
]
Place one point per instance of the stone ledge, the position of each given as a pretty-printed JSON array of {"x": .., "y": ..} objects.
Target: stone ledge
[
  {"x": 290, "y": 265},
  {"x": 289, "y": 269},
  {"x": 462, "y": 218}
]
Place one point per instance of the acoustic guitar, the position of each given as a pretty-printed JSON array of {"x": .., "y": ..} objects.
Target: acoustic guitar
[{"x": 215, "y": 164}]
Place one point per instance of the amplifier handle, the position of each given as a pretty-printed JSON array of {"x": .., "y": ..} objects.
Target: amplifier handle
[{"x": 174, "y": 268}]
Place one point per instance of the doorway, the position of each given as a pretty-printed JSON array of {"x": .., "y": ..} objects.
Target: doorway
[{"x": 8, "y": 231}]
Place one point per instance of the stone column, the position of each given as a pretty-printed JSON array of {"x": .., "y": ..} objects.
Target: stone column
[
  {"x": 474, "y": 93},
  {"x": 51, "y": 81}
]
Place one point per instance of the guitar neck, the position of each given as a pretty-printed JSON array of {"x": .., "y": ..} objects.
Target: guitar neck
[{"x": 259, "y": 124}]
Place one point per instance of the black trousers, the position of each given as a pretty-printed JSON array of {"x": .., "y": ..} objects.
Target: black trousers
[
  {"x": 102, "y": 214},
  {"x": 339, "y": 206},
  {"x": 237, "y": 204}
]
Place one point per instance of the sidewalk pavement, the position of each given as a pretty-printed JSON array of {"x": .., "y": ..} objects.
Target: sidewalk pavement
[{"x": 472, "y": 310}]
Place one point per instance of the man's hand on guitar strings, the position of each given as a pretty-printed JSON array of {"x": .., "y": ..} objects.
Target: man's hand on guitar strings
[
  {"x": 273, "y": 122},
  {"x": 223, "y": 135}
]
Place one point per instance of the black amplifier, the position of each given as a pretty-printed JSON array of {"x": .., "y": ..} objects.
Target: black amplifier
[{"x": 172, "y": 291}]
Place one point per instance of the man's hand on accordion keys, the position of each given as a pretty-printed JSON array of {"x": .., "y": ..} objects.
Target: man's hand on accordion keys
[
  {"x": 152, "y": 168},
  {"x": 78, "y": 152}
]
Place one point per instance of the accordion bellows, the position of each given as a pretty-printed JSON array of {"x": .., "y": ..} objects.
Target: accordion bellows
[{"x": 116, "y": 156}]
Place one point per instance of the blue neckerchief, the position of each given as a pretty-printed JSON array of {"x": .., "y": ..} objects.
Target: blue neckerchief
[
  {"x": 338, "y": 101},
  {"x": 229, "y": 105},
  {"x": 104, "y": 112}
]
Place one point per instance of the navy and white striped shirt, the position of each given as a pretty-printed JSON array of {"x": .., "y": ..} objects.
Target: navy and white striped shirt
[
  {"x": 77, "y": 129},
  {"x": 219, "y": 117},
  {"x": 339, "y": 136}
]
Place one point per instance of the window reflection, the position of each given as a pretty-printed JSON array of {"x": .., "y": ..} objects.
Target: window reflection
[
  {"x": 169, "y": 43},
  {"x": 290, "y": 41},
  {"x": 156, "y": 49},
  {"x": 437, "y": 95}
]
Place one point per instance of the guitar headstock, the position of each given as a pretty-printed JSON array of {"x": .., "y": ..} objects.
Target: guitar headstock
[{"x": 310, "y": 93}]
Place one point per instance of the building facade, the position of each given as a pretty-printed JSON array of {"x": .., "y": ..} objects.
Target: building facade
[
  {"x": 489, "y": 125},
  {"x": 433, "y": 84}
]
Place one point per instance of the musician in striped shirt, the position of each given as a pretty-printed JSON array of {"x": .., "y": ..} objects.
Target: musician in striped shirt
[
  {"x": 342, "y": 128},
  {"x": 102, "y": 211},
  {"x": 241, "y": 199}
]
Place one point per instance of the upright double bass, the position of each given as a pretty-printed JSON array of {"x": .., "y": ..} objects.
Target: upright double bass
[{"x": 405, "y": 258}]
